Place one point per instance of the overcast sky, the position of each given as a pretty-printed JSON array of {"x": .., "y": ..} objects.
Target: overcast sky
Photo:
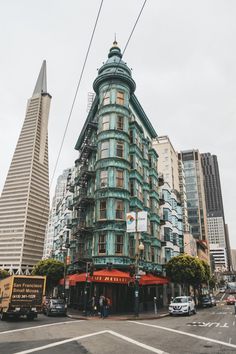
[{"x": 183, "y": 56}]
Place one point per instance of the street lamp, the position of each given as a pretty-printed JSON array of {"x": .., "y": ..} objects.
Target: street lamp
[
  {"x": 86, "y": 289},
  {"x": 137, "y": 278},
  {"x": 65, "y": 251}
]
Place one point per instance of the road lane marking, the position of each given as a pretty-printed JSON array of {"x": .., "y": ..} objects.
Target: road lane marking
[
  {"x": 41, "y": 326},
  {"x": 127, "y": 339},
  {"x": 186, "y": 334},
  {"x": 145, "y": 346},
  {"x": 60, "y": 343}
]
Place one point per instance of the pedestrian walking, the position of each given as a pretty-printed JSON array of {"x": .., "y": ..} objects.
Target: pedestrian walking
[
  {"x": 108, "y": 306},
  {"x": 92, "y": 306},
  {"x": 102, "y": 305}
]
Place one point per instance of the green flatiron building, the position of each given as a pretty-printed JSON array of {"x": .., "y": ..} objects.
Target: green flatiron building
[{"x": 116, "y": 173}]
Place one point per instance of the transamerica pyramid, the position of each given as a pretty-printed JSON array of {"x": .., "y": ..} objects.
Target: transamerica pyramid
[{"x": 24, "y": 203}]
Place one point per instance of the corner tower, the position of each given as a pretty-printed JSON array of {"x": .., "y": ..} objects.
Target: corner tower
[
  {"x": 116, "y": 174},
  {"x": 24, "y": 203}
]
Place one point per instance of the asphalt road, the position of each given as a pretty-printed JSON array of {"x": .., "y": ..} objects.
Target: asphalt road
[{"x": 210, "y": 331}]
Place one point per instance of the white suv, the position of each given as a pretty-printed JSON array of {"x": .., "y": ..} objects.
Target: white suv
[{"x": 182, "y": 305}]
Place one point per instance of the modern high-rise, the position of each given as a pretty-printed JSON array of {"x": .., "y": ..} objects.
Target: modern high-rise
[
  {"x": 196, "y": 206},
  {"x": 24, "y": 203},
  {"x": 218, "y": 239}
]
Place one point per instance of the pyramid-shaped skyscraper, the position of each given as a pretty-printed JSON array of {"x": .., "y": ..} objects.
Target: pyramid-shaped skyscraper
[{"x": 24, "y": 203}]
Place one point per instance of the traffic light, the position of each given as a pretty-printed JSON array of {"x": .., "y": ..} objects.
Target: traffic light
[{"x": 109, "y": 266}]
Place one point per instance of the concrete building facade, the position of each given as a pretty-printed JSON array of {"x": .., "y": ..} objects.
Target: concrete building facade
[
  {"x": 172, "y": 231},
  {"x": 60, "y": 192},
  {"x": 24, "y": 203}
]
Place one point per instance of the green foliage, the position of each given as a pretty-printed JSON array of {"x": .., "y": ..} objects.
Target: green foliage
[
  {"x": 187, "y": 270},
  {"x": 207, "y": 270},
  {"x": 3, "y": 274},
  {"x": 212, "y": 282},
  {"x": 52, "y": 268}
]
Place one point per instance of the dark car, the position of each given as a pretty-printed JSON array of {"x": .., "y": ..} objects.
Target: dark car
[
  {"x": 207, "y": 301},
  {"x": 54, "y": 307}
]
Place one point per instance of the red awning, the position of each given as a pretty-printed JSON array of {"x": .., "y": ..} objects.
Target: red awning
[
  {"x": 149, "y": 279},
  {"x": 100, "y": 276},
  {"x": 73, "y": 279},
  {"x": 112, "y": 276}
]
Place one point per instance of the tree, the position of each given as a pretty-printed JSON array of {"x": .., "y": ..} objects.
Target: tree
[
  {"x": 186, "y": 270},
  {"x": 3, "y": 274},
  {"x": 53, "y": 269}
]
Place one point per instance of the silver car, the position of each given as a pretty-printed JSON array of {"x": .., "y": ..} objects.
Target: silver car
[{"x": 181, "y": 305}]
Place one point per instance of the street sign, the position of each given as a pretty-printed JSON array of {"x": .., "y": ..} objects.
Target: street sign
[
  {"x": 142, "y": 221},
  {"x": 67, "y": 284},
  {"x": 131, "y": 222}
]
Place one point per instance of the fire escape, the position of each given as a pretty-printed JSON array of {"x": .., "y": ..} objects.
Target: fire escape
[{"x": 84, "y": 199}]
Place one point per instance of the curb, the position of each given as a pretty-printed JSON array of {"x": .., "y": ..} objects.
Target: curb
[{"x": 117, "y": 318}]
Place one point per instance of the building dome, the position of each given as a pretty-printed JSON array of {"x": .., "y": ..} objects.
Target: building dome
[{"x": 114, "y": 69}]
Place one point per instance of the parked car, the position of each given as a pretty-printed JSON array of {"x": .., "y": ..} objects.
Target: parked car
[
  {"x": 222, "y": 290},
  {"x": 182, "y": 305},
  {"x": 207, "y": 301},
  {"x": 230, "y": 300},
  {"x": 54, "y": 307}
]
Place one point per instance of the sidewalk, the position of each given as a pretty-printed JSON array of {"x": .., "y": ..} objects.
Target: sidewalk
[{"x": 76, "y": 314}]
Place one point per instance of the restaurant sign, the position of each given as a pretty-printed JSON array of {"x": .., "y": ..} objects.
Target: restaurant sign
[{"x": 110, "y": 279}]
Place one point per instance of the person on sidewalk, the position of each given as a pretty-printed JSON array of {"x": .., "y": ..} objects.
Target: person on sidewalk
[
  {"x": 92, "y": 306},
  {"x": 102, "y": 305}
]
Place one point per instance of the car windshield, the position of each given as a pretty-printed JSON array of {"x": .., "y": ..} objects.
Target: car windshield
[
  {"x": 54, "y": 302},
  {"x": 180, "y": 299},
  {"x": 206, "y": 298}
]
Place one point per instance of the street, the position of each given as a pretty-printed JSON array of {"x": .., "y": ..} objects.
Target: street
[{"x": 211, "y": 330}]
